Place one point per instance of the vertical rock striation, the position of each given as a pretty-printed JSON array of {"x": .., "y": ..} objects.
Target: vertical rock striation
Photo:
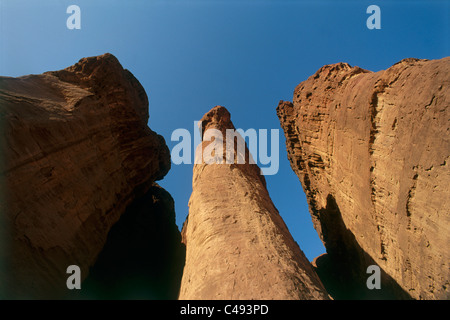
[
  {"x": 76, "y": 152},
  {"x": 372, "y": 151},
  {"x": 237, "y": 245}
]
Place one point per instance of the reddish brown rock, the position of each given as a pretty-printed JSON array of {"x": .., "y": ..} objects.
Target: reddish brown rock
[
  {"x": 237, "y": 245},
  {"x": 77, "y": 151},
  {"x": 372, "y": 151}
]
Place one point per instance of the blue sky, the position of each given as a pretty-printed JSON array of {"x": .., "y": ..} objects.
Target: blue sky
[{"x": 244, "y": 55}]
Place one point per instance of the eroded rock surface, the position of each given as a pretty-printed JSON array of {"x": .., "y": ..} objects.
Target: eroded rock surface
[
  {"x": 372, "y": 151},
  {"x": 76, "y": 152},
  {"x": 237, "y": 245}
]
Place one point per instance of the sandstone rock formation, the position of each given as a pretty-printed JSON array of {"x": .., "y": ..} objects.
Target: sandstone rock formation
[
  {"x": 237, "y": 245},
  {"x": 77, "y": 151},
  {"x": 372, "y": 152}
]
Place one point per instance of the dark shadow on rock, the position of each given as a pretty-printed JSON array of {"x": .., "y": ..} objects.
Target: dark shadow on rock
[
  {"x": 342, "y": 269},
  {"x": 143, "y": 257}
]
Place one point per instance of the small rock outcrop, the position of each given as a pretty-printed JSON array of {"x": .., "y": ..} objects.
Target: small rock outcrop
[
  {"x": 237, "y": 245},
  {"x": 76, "y": 152},
  {"x": 372, "y": 153}
]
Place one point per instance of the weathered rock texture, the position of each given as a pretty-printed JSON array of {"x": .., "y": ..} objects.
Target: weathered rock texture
[
  {"x": 237, "y": 245},
  {"x": 372, "y": 152},
  {"x": 77, "y": 151}
]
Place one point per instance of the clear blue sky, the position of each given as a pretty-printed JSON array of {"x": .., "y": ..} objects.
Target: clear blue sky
[{"x": 244, "y": 55}]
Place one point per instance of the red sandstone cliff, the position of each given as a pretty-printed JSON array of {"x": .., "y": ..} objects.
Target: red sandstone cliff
[
  {"x": 76, "y": 152},
  {"x": 372, "y": 151}
]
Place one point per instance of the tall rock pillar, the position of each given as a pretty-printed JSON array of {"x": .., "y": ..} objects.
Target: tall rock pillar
[{"x": 237, "y": 245}]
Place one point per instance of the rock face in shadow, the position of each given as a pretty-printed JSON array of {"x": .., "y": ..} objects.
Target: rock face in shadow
[
  {"x": 77, "y": 152},
  {"x": 237, "y": 245},
  {"x": 143, "y": 257},
  {"x": 372, "y": 151}
]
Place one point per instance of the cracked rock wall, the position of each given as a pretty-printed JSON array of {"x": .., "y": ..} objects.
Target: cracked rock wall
[
  {"x": 378, "y": 145},
  {"x": 76, "y": 152}
]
